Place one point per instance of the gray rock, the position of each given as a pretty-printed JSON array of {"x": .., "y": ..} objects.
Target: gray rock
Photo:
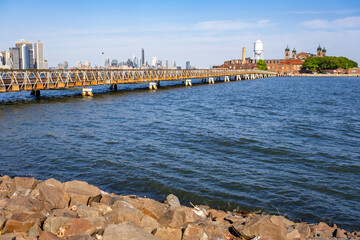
[
  {"x": 35, "y": 231},
  {"x": 126, "y": 231},
  {"x": 173, "y": 200}
]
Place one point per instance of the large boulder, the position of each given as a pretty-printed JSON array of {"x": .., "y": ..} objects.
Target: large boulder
[
  {"x": 149, "y": 224},
  {"x": 54, "y": 224},
  {"x": 173, "y": 200},
  {"x": 48, "y": 236},
  {"x": 166, "y": 233},
  {"x": 22, "y": 222},
  {"x": 122, "y": 215},
  {"x": 78, "y": 226},
  {"x": 194, "y": 232},
  {"x": 153, "y": 208},
  {"x": 172, "y": 219},
  {"x": 22, "y": 183},
  {"x": 126, "y": 231},
  {"x": 322, "y": 230},
  {"x": 269, "y": 227},
  {"x": 52, "y": 192},
  {"x": 80, "y": 191}
]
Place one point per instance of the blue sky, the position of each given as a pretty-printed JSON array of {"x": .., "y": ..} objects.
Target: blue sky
[{"x": 204, "y": 32}]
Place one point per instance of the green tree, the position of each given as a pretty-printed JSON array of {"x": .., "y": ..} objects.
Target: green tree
[
  {"x": 261, "y": 64},
  {"x": 322, "y": 63}
]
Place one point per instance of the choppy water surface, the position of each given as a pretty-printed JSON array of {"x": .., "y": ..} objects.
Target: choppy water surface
[{"x": 287, "y": 145}]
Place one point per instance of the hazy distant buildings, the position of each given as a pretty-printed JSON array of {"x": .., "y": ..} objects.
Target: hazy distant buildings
[
  {"x": 39, "y": 55},
  {"x": 188, "y": 65},
  {"x": 15, "y": 58},
  {"x": 142, "y": 57},
  {"x": 23, "y": 56}
]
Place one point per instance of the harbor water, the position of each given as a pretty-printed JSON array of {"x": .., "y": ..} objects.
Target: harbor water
[{"x": 288, "y": 146}]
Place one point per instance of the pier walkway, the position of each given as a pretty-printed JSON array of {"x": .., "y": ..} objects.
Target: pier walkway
[{"x": 36, "y": 80}]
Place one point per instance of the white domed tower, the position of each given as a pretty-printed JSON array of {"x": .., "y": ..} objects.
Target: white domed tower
[{"x": 258, "y": 50}]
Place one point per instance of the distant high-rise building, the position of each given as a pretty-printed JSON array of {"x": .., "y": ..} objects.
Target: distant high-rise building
[
  {"x": 28, "y": 54},
  {"x": 39, "y": 55},
  {"x": 25, "y": 61},
  {"x": 187, "y": 64},
  {"x": 1, "y": 61},
  {"x": 142, "y": 57},
  {"x": 114, "y": 63},
  {"x": 15, "y": 58},
  {"x": 107, "y": 62},
  {"x": 65, "y": 65},
  {"x": 153, "y": 62},
  {"x": 167, "y": 63},
  {"x": 6, "y": 58}
]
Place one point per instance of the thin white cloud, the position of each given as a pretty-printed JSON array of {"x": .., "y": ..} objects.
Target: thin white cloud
[
  {"x": 230, "y": 25},
  {"x": 342, "y": 11},
  {"x": 341, "y": 23}
]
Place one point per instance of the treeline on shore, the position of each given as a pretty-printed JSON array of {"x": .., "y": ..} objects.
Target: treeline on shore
[{"x": 318, "y": 64}]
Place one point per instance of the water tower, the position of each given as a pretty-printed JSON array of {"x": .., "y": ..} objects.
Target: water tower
[{"x": 258, "y": 50}]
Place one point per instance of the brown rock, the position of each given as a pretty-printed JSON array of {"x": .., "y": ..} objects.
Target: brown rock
[
  {"x": 85, "y": 211},
  {"x": 121, "y": 204},
  {"x": 99, "y": 222},
  {"x": 75, "y": 226},
  {"x": 64, "y": 212},
  {"x": 12, "y": 236},
  {"x": 20, "y": 204},
  {"x": 80, "y": 191},
  {"x": 172, "y": 219},
  {"x": 48, "y": 236},
  {"x": 53, "y": 224},
  {"x": 135, "y": 201},
  {"x": 83, "y": 237},
  {"x": 194, "y": 232},
  {"x": 168, "y": 233},
  {"x": 303, "y": 229},
  {"x": 35, "y": 231},
  {"x": 2, "y": 222},
  {"x": 22, "y": 183},
  {"x": 103, "y": 208},
  {"x": 148, "y": 223},
  {"x": 22, "y": 222},
  {"x": 217, "y": 215},
  {"x": 121, "y": 215},
  {"x": 173, "y": 200},
  {"x": 153, "y": 208},
  {"x": 263, "y": 226},
  {"x": 340, "y": 233},
  {"x": 52, "y": 192},
  {"x": 322, "y": 230},
  {"x": 189, "y": 215},
  {"x": 126, "y": 231}
]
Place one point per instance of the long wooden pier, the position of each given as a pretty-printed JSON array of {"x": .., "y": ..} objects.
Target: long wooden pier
[{"x": 36, "y": 80}]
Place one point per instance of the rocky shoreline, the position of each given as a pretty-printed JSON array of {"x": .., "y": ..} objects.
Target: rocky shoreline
[{"x": 75, "y": 210}]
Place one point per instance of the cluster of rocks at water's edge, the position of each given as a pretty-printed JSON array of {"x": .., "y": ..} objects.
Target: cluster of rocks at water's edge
[{"x": 50, "y": 210}]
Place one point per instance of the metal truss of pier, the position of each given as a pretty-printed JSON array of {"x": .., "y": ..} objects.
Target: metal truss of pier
[{"x": 36, "y": 80}]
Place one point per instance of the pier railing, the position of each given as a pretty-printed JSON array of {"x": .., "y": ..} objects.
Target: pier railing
[{"x": 33, "y": 80}]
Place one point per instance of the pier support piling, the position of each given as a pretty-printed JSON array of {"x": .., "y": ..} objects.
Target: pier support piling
[
  {"x": 226, "y": 79},
  {"x": 211, "y": 81},
  {"x": 87, "y": 92},
  {"x": 152, "y": 86},
  {"x": 188, "y": 82}
]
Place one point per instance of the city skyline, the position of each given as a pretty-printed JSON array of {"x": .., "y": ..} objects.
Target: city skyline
[{"x": 205, "y": 32}]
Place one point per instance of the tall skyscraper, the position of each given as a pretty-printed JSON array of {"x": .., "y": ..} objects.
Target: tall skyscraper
[
  {"x": 142, "y": 57},
  {"x": 187, "y": 64},
  {"x": 39, "y": 55},
  {"x": 15, "y": 58},
  {"x": 28, "y": 54},
  {"x": 153, "y": 62},
  {"x": 167, "y": 63},
  {"x": 25, "y": 61}
]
